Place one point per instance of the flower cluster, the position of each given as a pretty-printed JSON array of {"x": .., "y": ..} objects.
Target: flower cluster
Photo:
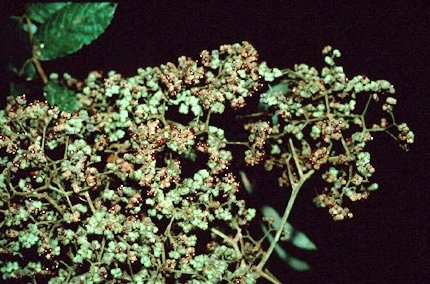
[
  {"x": 136, "y": 185},
  {"x": 100, "y": 195},
  {"x": 316, "y": 125}
]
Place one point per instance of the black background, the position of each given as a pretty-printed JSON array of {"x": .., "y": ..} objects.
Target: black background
[{"x": 388, "y": 239}]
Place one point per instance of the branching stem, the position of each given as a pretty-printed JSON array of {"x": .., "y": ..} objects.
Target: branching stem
[{"x": 296, "y": 187}]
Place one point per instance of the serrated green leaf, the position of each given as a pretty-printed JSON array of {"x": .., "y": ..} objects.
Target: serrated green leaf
[
  {"x": 60, "y": 96},
  {"x": 40, "y": 12},
  {"x": 297, "y": 238},
  {"x": 246, "y": 182},
  {"x": 71, "y": 28}
]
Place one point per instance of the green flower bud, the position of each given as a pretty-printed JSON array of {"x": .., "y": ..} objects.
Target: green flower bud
[
  {"x": 373, "y": 186},
  {"x": 53, "y": 76},
  {"x": 329, "y": 60},
  {"x": 183, "y": 108}
]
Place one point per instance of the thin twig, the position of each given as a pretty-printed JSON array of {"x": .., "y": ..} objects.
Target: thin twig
[{"x": 295, "y": 191}]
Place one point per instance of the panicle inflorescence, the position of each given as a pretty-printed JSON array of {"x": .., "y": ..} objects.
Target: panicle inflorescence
[
  {"x": 105, "y": 193},
  {"x": 104, "y": 187},
  {"x": 316, "y": 125}
]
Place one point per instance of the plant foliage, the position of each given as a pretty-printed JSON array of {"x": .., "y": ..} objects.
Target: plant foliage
[
  {"x": 132, "y": 180},
  {"x": 71, "y": 27}
]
